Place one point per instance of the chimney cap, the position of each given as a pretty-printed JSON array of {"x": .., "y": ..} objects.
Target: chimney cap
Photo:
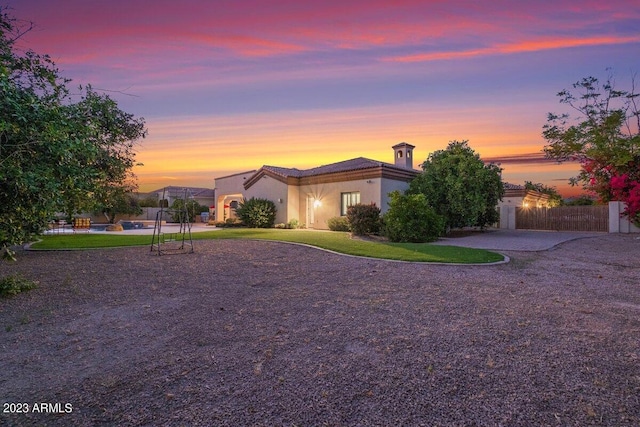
[{"x": 402, "y": 145}]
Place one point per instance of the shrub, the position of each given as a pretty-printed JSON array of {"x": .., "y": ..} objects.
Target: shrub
[
  {"x": 410, "y": 218},
  {"x": 257, "y": 213},
  {"x": 14, "y": 284},
  {"x": 338, "y": 223},
  {"x": 363, "y": 219},
  {"x": 228, "y": 223},
  {"x": 293, "y": 224}
]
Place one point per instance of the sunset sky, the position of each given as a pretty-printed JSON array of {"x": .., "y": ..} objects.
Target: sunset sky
[{"x": 229, "y": 85}]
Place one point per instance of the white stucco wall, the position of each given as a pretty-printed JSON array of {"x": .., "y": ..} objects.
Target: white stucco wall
[
  {"x": 619, "y": 223},
  {"x": 510, "y": 201},
  {"x": 227, "y": 189},
  {"x": 274, "y": 190},
  {"x": 329, "y": 197},
  {"x": 293, "y": 205}
]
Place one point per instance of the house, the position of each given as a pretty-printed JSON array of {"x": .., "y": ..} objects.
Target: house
[
  {"x": 518, "y": 196},
  {"x": 312, "y": 196},
  {"x": 204, "y": 196}
]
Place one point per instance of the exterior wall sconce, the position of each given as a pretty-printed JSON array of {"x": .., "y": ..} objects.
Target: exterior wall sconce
[
  {"x": 317, "y": 203},
  {"x": 369, "y": 181}
]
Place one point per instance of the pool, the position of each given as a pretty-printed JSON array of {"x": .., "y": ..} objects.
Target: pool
[
  {"x": 100, "y": 228},
  {"x": 132, "y": 225}
]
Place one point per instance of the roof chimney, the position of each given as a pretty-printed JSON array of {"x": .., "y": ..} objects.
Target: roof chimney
[{"x": 403, "y": 155}]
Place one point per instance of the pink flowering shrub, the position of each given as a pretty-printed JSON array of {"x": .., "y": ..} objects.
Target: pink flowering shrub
[
  {"x": 614, "y": 183},
  {"x": 625, "y": 189},
  {"x": 598, "y": 177}
]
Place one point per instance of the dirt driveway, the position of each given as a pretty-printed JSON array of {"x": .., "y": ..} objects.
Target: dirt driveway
[{"x": 261, "y": 333}]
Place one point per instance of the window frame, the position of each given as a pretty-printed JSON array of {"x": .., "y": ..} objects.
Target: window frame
[{"x": 348, "y": 198}]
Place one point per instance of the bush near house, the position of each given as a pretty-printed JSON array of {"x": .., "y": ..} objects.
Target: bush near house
[
  {"x": 364, "y": 219},
  {"x": 338, "y": 223},
  {"x": 410, "y": 218},
  {"x": 294, "y": 224},
  {"x": 257, "y": 213},
  {"x": 291, "y": 225},
  {"x": 227, "y": 223}
]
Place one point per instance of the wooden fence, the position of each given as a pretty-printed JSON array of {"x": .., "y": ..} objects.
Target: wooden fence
[{"x": 564, "y": 218}]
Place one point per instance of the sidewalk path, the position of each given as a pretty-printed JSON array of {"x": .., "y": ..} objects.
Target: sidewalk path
[{"x": 516, "y": 240}]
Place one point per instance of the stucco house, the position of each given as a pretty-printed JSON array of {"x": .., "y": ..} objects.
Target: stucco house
[
  {"x": 312, "y": 196},
  {"x": 204, "y": 196},
  {"x": 518, "y": 196}
]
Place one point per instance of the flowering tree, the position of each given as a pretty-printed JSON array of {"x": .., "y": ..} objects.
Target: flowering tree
[
  {"x": 625, "y": 188},
  {"x": 604, "y": 138}
]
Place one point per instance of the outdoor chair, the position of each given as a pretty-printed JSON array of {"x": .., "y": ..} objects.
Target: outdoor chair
[{"x": 81, "y": 224}]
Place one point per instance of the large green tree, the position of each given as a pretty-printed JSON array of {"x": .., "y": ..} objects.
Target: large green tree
[
  {"x": 58, "y": 153},
  {"x": 603, "y": 135},
  {"x": 460, "y": 187}
]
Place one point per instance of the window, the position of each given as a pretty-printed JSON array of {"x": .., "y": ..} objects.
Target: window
[{"x": 348, "y": 199}]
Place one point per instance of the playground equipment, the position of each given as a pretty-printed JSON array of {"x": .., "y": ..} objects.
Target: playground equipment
[{"x": 175, "y": 238}]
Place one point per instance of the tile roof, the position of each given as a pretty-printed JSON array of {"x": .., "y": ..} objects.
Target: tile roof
[
  {"x": 509, "y": 186},
  {"x": 283, "y": 172},
  {"x": 334, "y": 172},
  {"x": 344, "y": 166},
  {"x": 193, "y": 191}
]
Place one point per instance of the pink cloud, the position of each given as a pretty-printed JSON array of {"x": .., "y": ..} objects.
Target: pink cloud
[
  {"x": 521, "y": 159},
  {"x": 525, "y": 46},
  {"x": 249, "y": 29}
]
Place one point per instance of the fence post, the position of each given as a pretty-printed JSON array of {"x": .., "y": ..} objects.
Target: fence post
[
  {"x": 618, "y": 223},
  {"x": 614, "y": 217},
  {"x": 508, "y": 217}
]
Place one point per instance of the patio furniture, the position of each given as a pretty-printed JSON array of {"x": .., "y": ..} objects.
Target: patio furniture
[{"x": 81, "y": 224}]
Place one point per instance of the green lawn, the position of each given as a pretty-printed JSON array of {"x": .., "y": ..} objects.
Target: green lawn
[{"x": 334, "y": 241}]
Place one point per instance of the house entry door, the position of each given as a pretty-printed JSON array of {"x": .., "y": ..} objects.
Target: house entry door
[{"x": 310, "y": 213}]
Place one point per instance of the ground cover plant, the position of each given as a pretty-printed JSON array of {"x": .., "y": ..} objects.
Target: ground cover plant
[
  {"x": 14, "y": 284},
  {"x": 334, "y": 241}
]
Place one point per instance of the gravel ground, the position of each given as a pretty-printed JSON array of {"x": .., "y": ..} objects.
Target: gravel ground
[{"x": 262, "y": 333}]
